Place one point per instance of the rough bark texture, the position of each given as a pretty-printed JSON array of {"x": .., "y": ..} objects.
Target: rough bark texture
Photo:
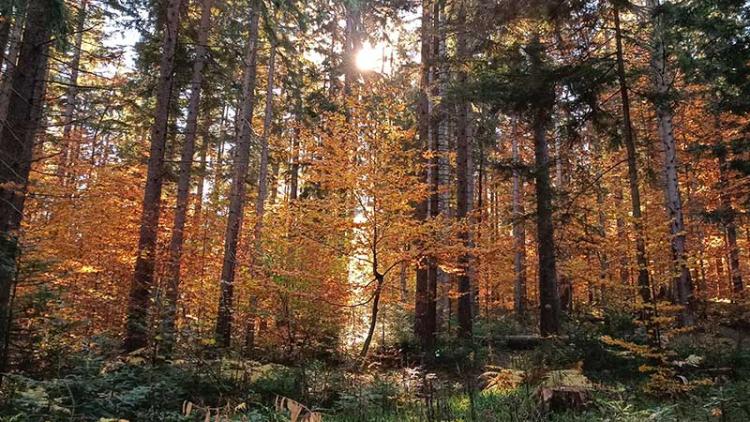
[
  {"x": 294, "y": 159},
  {"x": 644, "y": 283},
  {"x": 183, "y": 182},
  {"x": 549, "y": 299},
  {"x": 519, "y": 231},
  {"x": 11, "y": 64},
  {"x": 136, "y": 330},
  {"x": 728, "y": 219},
  {"x": 425, "y": 284},
  {"x": 16, "y": 149},
  {"x": 661, "y": 84},
  {"x": 238, "y": 187},
  {"x": 260, "y": 202},
  {"x": 6, "y": 19},
  {"x": 463, "y": 193},
  {"x": 70, "y": 101}
]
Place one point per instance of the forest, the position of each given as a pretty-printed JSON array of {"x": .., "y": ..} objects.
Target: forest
[{"x": 374, "y": 210}]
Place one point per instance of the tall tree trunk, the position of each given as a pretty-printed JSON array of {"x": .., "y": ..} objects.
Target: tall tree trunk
[
  {"x": 624, "y": 270},
  {"x": 11, "y": 65},
  {"x": 136, "y": 329},
  {"x": 201, "y": 185},
  {"x": 549, "y": 299},
  {"x": 728, "y": 214},
  {"x": 519, "y": 230},
  {"x": 661, "y": 83},
  {"x": 16, "y": 149},
  {"x": 237, "y": 192},
  {"x": 425, "y": 311},
  {"x": 260, "y": 202},
  {"x": 352, "y": 43},
  {"x": 442, "y": 135},
  {"x": 70, "y": 100},
  {"x": 294, "y": 159},
  {"x": 463, "y": 198},
  {"x": 6, "y": 20},
  {"x": 644, "y": 283},
  {"x": 183, "y": 183}
]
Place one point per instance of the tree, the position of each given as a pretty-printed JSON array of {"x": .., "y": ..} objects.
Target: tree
[
  {"x": 136, "y": 328},
  {"x": 426, "y": 283},
  {"x": 238, "y": 187},
  {"x": 44, "y": 18},
  {"x": 71, "y": 97},
  {"x": 464, "y": 173},
  {"x": 519, "y": 228},
  {"x": 183, "y": 181},
  {"x": 662, "y": 80},
  {"x": 629, "y": 139}
]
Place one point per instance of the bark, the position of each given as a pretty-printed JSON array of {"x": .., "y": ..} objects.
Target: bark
[
  {"x": 10, "y": 68},
  {"x": 6, "y": 18},
  {"x": 519, "y": 231},
  {"x": 644, "y": 283},
  {"x": 549, "y": 299},
  {"x": 728, "y": 220},
  {"x": 136, "y": 330},
  {"x": 624, "y": 271},
  {"x": 564, "y": 282},
  {"x": 201, "y": 185},
  {"x": 260, "y": 202},
  {"x": 183, "y": 183},
  {"x": 373, "y": 315},
  {"x": 16, "y": 149},
  {"x": 661, "y": 83},
  {"x": 71, "y": 96},
  {"x": 238, "y": 187},
  {"x": 425, "y": 311},
  {"x": 463, "y": 195},
  {"x": 294, "y": 158}
]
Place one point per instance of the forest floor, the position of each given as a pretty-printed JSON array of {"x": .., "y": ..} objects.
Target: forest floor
[{"x": 587, "y": 376}]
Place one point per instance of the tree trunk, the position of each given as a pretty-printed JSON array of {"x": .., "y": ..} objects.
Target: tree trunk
[
  {"x": 549, "y": 299},
  {"x": 10, "y": 68},
  {"x": 373, "y": 316},
  {"x": 237, "y": 192},
  {"x": 136, "y": 330},
  {"x": 201, "y": 185},
  {"x": 624, "y": 270},
  {"x": 644, "y": 283},
  {"x": 463, "y": 198},
  {"x": 519, "y": 230},
  {"x": 294, "y": 159},
  {"x": 16, "y": 149},
  {"x": 352, "y": 43},
  {"x": 70, "y": 101},
  {"x": 728, "y": 217},
  {"x": 260, "y": 202},
  {"x": 661, "y": 80},
  {"x": 425, "y": 311},
  {"x": 183, "y": 183},
  {"x": 6, "y": 19}
]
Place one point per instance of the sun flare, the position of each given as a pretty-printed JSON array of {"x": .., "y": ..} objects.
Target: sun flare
[{"x": 370, "y": 58}]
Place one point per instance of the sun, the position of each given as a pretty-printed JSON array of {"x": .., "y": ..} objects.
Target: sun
[{"x": 369, "y": 58}]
